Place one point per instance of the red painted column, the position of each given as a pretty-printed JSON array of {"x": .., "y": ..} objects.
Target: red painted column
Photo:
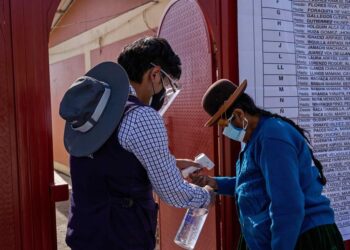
[
  {"x": 222, "y": 19},
  {"x": 229, "y": 70},
  {"x": 9, "y": 202},
  {"x": 27, "y": 212}
]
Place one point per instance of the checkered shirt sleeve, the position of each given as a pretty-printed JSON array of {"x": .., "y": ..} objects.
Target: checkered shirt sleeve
[{"x": 142, "y": 132}]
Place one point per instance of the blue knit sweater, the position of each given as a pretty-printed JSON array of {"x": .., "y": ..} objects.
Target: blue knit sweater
[{"x": 277, "y": 190}]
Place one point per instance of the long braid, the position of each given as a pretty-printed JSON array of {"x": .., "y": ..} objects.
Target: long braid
[
  {"x": 302, "y": 131},
  {"x": 247, "y": 104}
]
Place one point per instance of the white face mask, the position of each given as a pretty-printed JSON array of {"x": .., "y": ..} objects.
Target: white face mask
[{"x": 235, "y": 133}]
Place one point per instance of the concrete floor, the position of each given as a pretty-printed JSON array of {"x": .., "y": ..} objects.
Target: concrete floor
[{"x": 62, "y": 209}]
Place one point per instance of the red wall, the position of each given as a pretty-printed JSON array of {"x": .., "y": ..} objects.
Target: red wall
[
  {"x": 87, "y": 14},
  {"x": 9, "y": 202},
  {"x": 62, "y": 75},
  {"x": 27, "y": 213},
  {"x": 111, "y": 51}
]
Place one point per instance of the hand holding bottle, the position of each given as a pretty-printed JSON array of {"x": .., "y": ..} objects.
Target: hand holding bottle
[{"x": 212, "y": 195}]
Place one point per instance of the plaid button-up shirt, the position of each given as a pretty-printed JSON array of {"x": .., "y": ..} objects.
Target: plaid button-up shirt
[{"x": 143, "y": 133}]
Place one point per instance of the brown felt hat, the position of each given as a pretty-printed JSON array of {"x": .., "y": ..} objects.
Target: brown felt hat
[{"x": 219, "y": 97}]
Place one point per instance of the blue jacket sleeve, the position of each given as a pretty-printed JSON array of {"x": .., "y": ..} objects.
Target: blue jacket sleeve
[
  {"x": 226, "y": 185},
  {"x": 279, "y": 165}
]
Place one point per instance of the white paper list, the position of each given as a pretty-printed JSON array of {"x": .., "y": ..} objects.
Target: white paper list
[{"x": 295, "y": 55}]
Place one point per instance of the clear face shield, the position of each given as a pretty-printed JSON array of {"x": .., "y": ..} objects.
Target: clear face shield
[{"x": 172, "y": 89}]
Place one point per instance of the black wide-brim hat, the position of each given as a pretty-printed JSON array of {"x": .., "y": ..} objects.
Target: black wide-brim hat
[
  {"x": 85, "y": 143},
  {"x": 219, "y": 97}
]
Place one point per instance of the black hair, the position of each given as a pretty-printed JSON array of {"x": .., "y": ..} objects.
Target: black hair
[
  {"x": 246, "y": 103},
  {"x": 136, "y": 58}
]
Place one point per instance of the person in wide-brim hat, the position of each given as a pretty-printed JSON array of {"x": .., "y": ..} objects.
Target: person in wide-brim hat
[
  {"x": 92, "y": 108},
  {"x": 219, "y": 97},
  {"x": 119, "y": 152},
  {"x": 278, "y": 182}
]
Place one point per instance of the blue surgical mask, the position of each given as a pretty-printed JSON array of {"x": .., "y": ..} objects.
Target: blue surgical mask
[{"x": 235, "y": 133}]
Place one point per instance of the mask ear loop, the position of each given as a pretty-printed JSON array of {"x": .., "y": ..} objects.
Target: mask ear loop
[
  {"x": 163, "y": 85},
  {"x": 154, "y": 92},
  {"x": 223, "y": 122},
  {"x": 245, "y": 125}
]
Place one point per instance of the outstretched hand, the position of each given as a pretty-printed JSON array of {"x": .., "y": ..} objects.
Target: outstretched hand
[{"x": 203, "y": 180}]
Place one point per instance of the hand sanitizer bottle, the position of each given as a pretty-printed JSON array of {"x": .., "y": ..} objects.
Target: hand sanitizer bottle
[
  {"x": 192, "y": 224},
  {"x": 191, "y": 227}
]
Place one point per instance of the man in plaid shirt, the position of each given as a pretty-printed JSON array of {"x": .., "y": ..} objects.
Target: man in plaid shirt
[{"x": 112, "y": 205}]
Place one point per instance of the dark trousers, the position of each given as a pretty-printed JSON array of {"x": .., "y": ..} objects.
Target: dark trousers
[{"x": 325, "y": 237}]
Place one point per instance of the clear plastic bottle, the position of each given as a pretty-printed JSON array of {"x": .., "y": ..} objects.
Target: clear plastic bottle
[{"x": 191, "y": 227}]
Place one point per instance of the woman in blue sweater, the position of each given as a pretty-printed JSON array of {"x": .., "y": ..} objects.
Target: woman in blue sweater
[{"x": 278, "y": 182}]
